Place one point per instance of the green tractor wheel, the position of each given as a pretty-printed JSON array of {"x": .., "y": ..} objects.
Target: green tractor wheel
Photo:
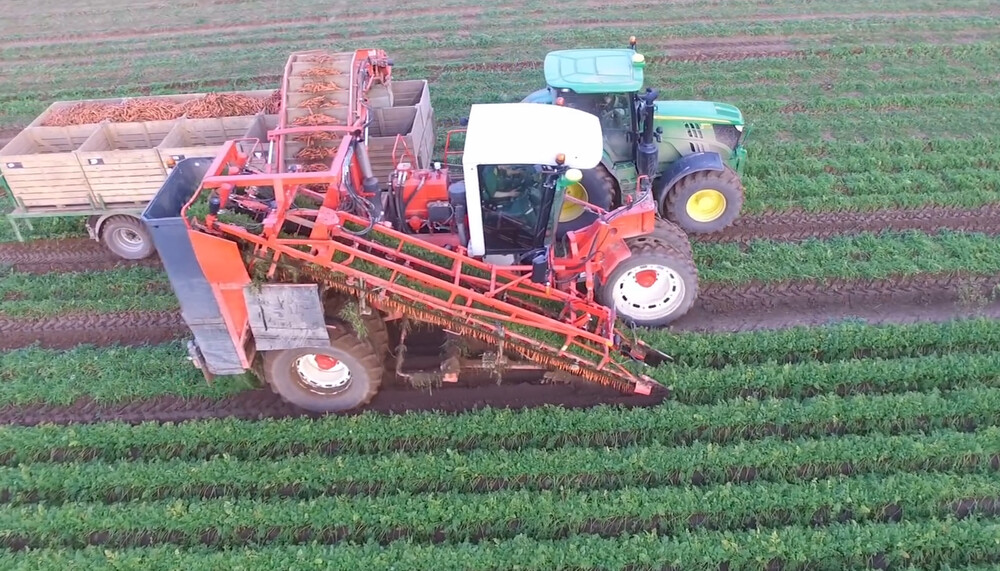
[
  {"x": 705, "y": 201},
  {"x": 597, "y": 187}
]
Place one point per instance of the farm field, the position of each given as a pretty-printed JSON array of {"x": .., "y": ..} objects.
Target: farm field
[{"x": 835, "y": 400}]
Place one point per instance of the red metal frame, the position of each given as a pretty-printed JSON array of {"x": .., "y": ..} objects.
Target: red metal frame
[{"x": 585, "y": 328}]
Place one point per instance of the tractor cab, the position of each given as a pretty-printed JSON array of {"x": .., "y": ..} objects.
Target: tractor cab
[
  {"x": 517, "y": 162},
  {"x": 602, "y": 82}
]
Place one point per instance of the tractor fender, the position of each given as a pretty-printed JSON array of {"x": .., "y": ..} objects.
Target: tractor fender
[{"x": 695, "y": 162}]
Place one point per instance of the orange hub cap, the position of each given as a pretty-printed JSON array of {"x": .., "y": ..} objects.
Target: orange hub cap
[
  {"x": 646, "y": 278},
  {"x": 326, "y": 363}
]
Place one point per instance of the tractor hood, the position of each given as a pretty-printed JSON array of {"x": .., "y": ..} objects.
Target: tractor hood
[{"x": 700, "y": 111}]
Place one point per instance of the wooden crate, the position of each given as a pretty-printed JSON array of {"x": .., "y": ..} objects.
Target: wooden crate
[
  {"x": 404, "y": 121},
  {"x": 42, "y": 169},
  {"x": 202, "y": 137},
  {"x": 121, "y": 162}
]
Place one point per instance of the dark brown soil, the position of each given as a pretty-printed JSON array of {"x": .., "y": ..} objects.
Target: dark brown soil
[{"x": 66, "y": 255}]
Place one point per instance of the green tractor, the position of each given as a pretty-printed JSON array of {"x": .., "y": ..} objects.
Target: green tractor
[{"x": 701, "y": 144}]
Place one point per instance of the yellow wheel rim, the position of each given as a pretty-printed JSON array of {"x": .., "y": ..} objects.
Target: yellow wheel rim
[
  {"x": 706, "y": 205},
  {"x": 570, "y": 210}
]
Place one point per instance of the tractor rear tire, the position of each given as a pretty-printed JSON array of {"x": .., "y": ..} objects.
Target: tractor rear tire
[
  {"x": 127, "y": 238},
  {"x": 664, "y": 232},
  {"x": 705, "y": 201},
  {"x": 654, "y": 286},
  {"x": 598, "y": 187},
  {"x": 341, "y": 377}
]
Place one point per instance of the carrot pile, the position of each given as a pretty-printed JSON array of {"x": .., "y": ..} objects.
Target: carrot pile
[{"x": 151, "y": 109}]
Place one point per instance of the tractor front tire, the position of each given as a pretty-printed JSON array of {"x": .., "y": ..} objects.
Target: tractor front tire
[
  {"x": 664, "y": 232},
  {"x": 654, "y": 286},
  {"x": 341, "y": 377},
  {"x": 597, "y": 187},
  {"x": 705, "y": 201},
  {"x": 127, "y": 238}
]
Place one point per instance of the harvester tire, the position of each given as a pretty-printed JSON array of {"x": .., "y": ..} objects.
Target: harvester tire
[
  {"x": 705, "y": 201},
  {"x": 599, "y": 186},
  {"x": 638, "y": 286},
  {"x": 127, "y": 238},
  {"x": 664, "y": 232},
  {"x": 376, "y": 333},
  {"x": 341, "y": 377}
]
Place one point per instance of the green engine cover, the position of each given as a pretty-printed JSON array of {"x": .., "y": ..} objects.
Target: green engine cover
[{"x": 594, "y": 70}]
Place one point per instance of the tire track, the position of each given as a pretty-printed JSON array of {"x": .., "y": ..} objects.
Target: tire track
[
  {"x": 129, "y": 328},
  {"x": 64, "y": 255}
]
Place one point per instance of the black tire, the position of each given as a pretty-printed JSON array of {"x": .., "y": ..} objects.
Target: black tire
[
  {"x": 365, "y": 369},
  {"x": 726, "y": 182},
  {"x": 600, "y": 188},
  {"x": 665, "y": 232},
  {"x": 127, "y": 238},
  {"x": 653, "y": 253},
  {"x": 376, "y": 332}
]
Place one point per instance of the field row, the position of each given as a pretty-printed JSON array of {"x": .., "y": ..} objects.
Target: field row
[
  {"x": 839, "y": 546},
  {"x": 312, "y": 475},
  {"x": 458, "y": 517},
  {"x": 864, "y": 256},
  {"x": 667, "y": 423}
]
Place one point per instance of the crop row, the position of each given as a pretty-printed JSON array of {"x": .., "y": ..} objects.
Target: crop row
[
  {"x": 312, "y": 475},
  {"x": 505, "y": 431},
  {"x": 746, "y": 359},
  {"x": 948, "y": 372},
  {"x": 417, "y": 48},
  {"x": 925, "y": 544},
  {"x": 460, "y": 517},
  {"x": 861, "y": 256}
]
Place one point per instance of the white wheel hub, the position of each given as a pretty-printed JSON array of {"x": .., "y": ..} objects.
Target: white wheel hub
[
  {"x": 648, "y": 291},
  {"x": 323, "y": 371}
]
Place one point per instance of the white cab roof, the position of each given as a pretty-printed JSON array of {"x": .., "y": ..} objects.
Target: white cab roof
[{"x": 532, "y": 133}]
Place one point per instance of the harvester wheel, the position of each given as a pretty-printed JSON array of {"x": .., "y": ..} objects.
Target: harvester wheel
[
  {"x": 705, "y": 201},
  {"x": 375, "y": 331},
  {"x": 654, "y": 286},
  {"x": 597, "y": 187},
  {"x": 664, "y": 232},
  {"x": 343, "y": 376},
  {"x": 127, "y": 237}
]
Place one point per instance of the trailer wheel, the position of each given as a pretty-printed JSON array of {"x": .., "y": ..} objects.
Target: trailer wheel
[
  {"x": 664, "y": 232},
  {"x": 341, "y": 377},
  {"x": 705, "y": 201},
  {"x": 653, "y": 287},
  {"x": 127, "y": 238}
]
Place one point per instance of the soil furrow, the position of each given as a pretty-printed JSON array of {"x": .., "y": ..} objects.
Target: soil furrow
[
  {"x": 68, "y": 330},
  {"x": 261, "y": 404},
  {"x": 65, "y": 255}
]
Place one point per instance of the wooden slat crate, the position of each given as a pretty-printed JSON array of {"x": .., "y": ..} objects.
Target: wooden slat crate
[
  {"x": 404, "y": 121},
  {"x": 121, "y": 162},
  {"x": 202, "y": 137},
  {"x": 42, "y": 169}
]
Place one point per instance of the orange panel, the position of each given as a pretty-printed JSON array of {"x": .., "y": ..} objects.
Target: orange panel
[{"x": 223, "y": 266}]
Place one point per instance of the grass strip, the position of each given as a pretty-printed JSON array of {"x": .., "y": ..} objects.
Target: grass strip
[
  {"x": 312, "y": 475},
  {"x": 122, "y": 289},
  {"x": 459, "y": 517},
  {"x": 503, "y": 430},
  {"x": 925, "y": 544},
  {"x": 106, "y": 375}
]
